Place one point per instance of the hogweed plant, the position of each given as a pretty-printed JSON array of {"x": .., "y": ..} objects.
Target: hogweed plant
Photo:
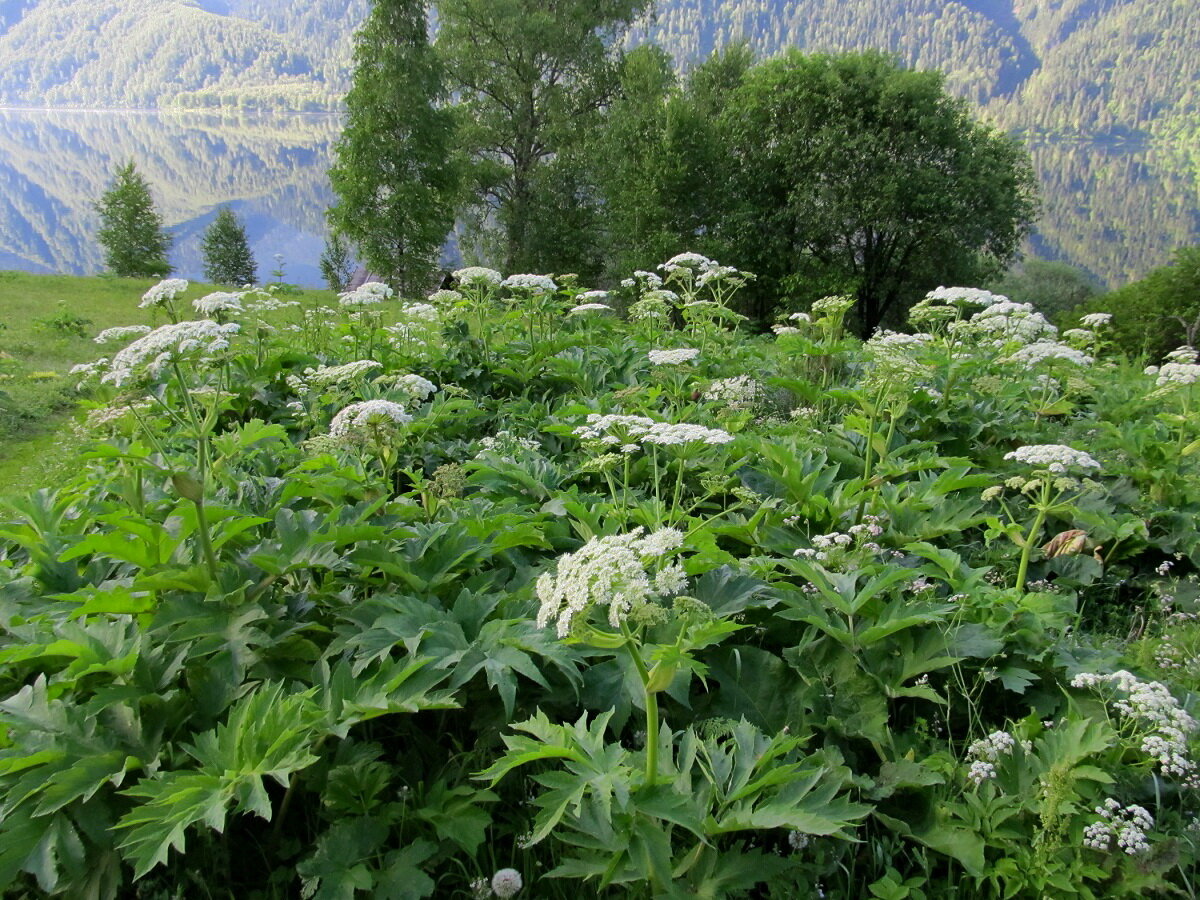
[{"x": 1053, "y": 488}]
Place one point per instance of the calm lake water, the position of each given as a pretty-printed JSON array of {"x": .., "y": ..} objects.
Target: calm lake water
[{"x": 1117, "y": 210}]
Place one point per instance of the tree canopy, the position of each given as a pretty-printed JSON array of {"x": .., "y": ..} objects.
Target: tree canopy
[
  {"x": 856, "y": 174},
  {"x": 227, "y": 255},
  {"x": 395, "y": 171},
  {"x": 531, "y": 77},
  {"x": 131, "y": 229}
]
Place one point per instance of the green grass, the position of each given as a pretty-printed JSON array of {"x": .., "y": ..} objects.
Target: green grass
[{"x": 47, "y": 323}]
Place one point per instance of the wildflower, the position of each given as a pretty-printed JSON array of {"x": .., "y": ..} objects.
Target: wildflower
[
  {"x": 445, "y": 298},
  {"x": 163, "y": 292},
  {"x": 477, "y": 276},
  {"x": 781, "y": 330},
  {"x": 737, "y": 393},
  {"x": 1184, "y": 354},
  {"x": 1056, "y": 458},
  {"x": 368, "y": 294},
  {"x": 326, "y": 376},
  {"x": 589, "y": 307},
  {"x": 1176, "y": 373},
  {"x": 1042, "y": 351},
  {"x": 1151, "y": 705},
  {"x": 360, "y": 417},
  {"x": 218, "y": 302},
  {"x": 535, "y": 284},
  {"x": 121, "y": 333},
  {"x": 672, "y": 357},
  {"x": 980, "y": 771},
  {"x": 1006, "y": 321},
  {"x": 964, "y": 296},
  {"x": 416, "y": 387},
  {"x": 667, "y": 434},
  {"x": 149, "y": 355},
  {"x": 1127, "y": 824},
  {"x": 798, "y": 840},
  {"x": 507, "y": 883},
  {"x": 1096, "y": 320},
  {"x": 691, "y": 261},
  {"x": 609, "y": 571}
]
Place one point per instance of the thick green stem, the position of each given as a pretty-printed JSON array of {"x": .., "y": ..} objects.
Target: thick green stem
[
  {"x": 632, "y": 647},
  {"x": 210, "y": 558},
  {"x": 1031, "y": 537}
]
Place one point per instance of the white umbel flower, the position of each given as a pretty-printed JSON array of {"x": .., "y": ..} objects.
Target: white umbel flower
[
  {"x": 163, "y": 292},
  {"x": 361, "y": 417},
  {"x": 611, "y": 571},
  {"x": 150, "y": 354},
  {"x": 1057, "y": 458},
  {"x": 536, "y": 284},
  {"x": 121, "y": 333},
  {"x": 477, "y": 276},
  {"x": 218, "y": 302},
  {"x": 672, "y": 357}
]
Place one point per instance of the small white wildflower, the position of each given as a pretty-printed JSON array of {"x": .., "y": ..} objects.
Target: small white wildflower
[
  {"x": 477, "y": 276},
  {"x": 1096, "y": 320},
  {"x": 672, "y": 357},
  {"x": 1056, "y": 458},
  {"x": 163, "y": 292},
  {"x": 589, "y": 307},
  {"x": 121, "y": 333},
  {"x": 535, "y": 284},
  {"x": 361, "y": 417}
]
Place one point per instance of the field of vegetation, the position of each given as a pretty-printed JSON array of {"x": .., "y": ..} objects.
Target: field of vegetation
[{"x": 530, "y": 590}]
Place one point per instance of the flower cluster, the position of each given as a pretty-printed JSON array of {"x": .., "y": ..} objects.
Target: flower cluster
[
  {"x": 218, "y": 302},
  {"x": 691, "y": 262},
  {"x": 327, "y": 376},
  {"x": 964, "y": 296},
  {"x": 368, "y": 417},
  {"x": 368, "y": 294},
  {"x": 149, "y": 355},
  {"x": 506, "y": 445},
  {"x": 534, "y": 284},
  {"x": 739, "y": 392},
  {"x": 622, "y": 572},
  {"x": 1043, "y": 351},
  {"x": 1096, "y": 320},
  {"x": 478, "y": 276},
  {"x": 672, "y": 357},
  {"x": 1056, "y": 458},
  {"x": 1128, "y": 825},
  {"x": 831, "y": 548},
  {"x": 416, "y": 387},
  {"x": 1149, "y": 705},
  {"x": 627, "y": 432},
  {"x": 1176, "y": 374},
  {"x": 590, "y": 307},
  {"x": 655, "y": 306},
  {"x": 121, "y": 333},
  {"x": 646, "y": 280},
  {"x": 445, "y": 298},
  {"x": 1005, "y": 322},
  {"x": 163, "y": 292},
  {"x": 985, "y": 753}
]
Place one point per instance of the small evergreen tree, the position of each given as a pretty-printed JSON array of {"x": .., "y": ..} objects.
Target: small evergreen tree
[
  {"x": 227, "y": 256},
  {"x": 337, "y": 264},
  {"x": 131, "y": 230}
]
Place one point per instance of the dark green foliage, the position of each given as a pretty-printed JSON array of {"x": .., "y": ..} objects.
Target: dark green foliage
[
  {"x": 1158, "y": 313},
  {"x": 1054, "y": 288},
  {"x": 336, "y": 263},
  {"x": 227, "y": 256},
  {"x": 531, "y": 79},
  {"x": 394, "y": 173},
  {"x": 131, "y": 229}
]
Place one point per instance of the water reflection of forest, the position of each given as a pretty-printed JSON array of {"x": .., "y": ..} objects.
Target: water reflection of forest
[
  {"x": 1117, "y": 210},
  {"x": 54, "y": 164}
]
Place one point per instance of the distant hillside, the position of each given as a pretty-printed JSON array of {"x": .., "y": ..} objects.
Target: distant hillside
[
  {"x": 145, "y": 53},
  {"x": 1091, "y": 66},
  {"x": 1107, "y": 67}
]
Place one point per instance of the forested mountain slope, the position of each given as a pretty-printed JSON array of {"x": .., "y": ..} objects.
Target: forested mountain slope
[{"x": 1094, "y": 66}]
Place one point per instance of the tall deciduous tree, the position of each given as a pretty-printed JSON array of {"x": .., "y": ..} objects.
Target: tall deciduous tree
[
  {"x": 227, "y": 255},
  {"x": 395, "y": 173},
  {"x": 131, "y": 229},
  {"x": 854, "y": 174},
  {"x": 531, "y": 76}
]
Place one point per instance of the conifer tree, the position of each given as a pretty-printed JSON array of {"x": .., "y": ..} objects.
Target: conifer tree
[
  {"x": 227, "y": 256},
  {"x": 131, "y": 230},
  {"x": 394, "y": 173}
]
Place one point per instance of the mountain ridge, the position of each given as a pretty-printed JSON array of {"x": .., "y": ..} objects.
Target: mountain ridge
[{"x": 1110, "y": 67}]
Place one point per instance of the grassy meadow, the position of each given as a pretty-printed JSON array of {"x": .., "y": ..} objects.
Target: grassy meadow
[{"x": 526, "y": 590}]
